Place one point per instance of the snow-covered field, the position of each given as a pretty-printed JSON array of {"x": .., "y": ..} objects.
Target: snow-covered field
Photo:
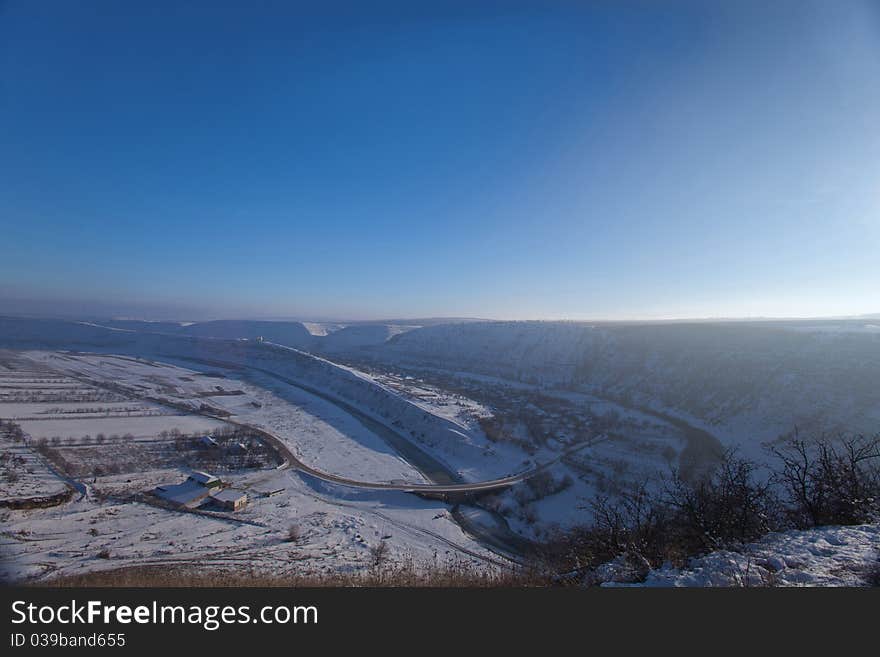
[
  {"x": 485, "y": 399},
  {"x": 25, "y": 474},
  {"x": 336, "y": 534},
  {"x": 319, "y": 433},
  {"x": 112, "y": 526}
]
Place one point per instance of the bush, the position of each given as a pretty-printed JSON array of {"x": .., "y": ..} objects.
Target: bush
[
  {"x": 632, "y": 525},
  {"x": 294, "y": 534},
  {"x": 823, "y": 482},
  {"x": 830, "y": 482},
  {"x": 643, "y": 527},
  {"x": 726, "y": 508},
  {"x": 379, "y": 554}
]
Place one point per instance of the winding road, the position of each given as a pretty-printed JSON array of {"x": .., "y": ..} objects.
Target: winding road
[
  {"x": 467, "y": 487},
  {"x": 450, "y": 482},
  {"x": 495, "y": 535}
]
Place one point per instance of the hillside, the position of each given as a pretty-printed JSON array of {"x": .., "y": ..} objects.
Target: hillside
[{"x": 746, "y": 380}]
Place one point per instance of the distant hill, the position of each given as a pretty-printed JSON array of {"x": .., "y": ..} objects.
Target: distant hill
[{"x": 747, "y": 381}]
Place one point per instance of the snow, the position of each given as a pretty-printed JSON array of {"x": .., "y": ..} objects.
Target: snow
[
  {"x": 338, "y": 527},
  {"x": 139, "y": 427},
  {"x": 825, "y": 556},
  {"x": 338, "y": 524},
  {"x": 775, "y": 374},
  {"x": 745, "y": 384},
  {"x": 228, "y": 495},
  {"x": 187, "y": 493},
  {"x": 320, "y": 434}
]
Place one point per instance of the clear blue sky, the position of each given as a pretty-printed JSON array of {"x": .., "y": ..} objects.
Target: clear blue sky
[{"x": 511, "y": 160}]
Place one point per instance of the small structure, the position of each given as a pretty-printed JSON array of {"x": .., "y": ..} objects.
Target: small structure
[
  {"x": 237, "y": 448},
  {"x": 189, "y": 494},
  {"x": 208, "y": 442},
  {"x": 272, "y": 492},
  {"x": 230, "y": 499},
  {"x": 209, "y": 481}
]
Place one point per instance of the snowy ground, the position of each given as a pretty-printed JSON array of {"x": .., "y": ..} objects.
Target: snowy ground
[
  {"x": 625, "y": 445},
  {"x": 25, "y": 474},
  {"x": 547, "y": 385},
  {"x": 318, "y": 433},
  {"x": 826, "y": 556},
  {"x": 336, "y": 533},
  {"x": 113, "y": 524}
]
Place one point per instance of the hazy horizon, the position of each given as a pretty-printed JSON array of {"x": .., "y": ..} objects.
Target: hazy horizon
[
  {"x": 464, "y": 160},
  {"x": 77, "y": 310}
]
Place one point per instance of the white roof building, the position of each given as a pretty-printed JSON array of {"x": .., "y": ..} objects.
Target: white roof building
[
  {"x": 204, "y": 479},
  {"x": 189, "y": 494},
  {"x": 230, "y": 498}
]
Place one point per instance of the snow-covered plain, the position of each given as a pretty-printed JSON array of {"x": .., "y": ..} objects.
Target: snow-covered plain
[
  {"x": 319, "y": 433},
  {"x": 335, "y": 534},
  {"x": 641, "y": 397},
  {"x": 111, "y": 526}
]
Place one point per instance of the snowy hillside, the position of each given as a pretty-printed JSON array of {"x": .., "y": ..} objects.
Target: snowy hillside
[
  {"x": 312, "y": 336},
  {"x": 747, "y": 381},
  {"x": 456, "y": 446}
]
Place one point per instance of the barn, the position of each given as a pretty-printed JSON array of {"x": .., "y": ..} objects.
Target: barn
[
  {"x": 230, "y": 499},
  {"x": 209, "y": 481},
  {"x": 189, "y": 493},
  {"x": 192, "y": 492}
]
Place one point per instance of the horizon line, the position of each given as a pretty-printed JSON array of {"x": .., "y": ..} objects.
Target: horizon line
[{"x": 416, "y": 321}]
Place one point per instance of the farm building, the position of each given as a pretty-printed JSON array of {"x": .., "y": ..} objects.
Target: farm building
[
  {"x": 271, "y": 493},
  {"x": 230, "y": 499},
  {"x": 189, "y": 494},
  {"x": 204, "y": 479}
]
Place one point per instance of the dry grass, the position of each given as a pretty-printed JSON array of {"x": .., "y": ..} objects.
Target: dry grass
[{"x": 454, "y": 574}]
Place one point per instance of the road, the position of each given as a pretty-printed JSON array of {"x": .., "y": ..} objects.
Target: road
[
  {"x": 466, "y": 487},
  {"x": 424, "y": 462},
  {"x": 496, "y": 536}
]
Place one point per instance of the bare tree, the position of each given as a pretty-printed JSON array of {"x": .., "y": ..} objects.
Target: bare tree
[
  {"x": 379, "y": 554},
  {"x": 830, "y": 481}
]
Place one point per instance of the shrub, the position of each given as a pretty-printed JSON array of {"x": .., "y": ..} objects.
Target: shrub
[
  {"x": 294, "y": 534},
  {"x": 642, "y": 527},
  {"x": 725, "y": 508},
  {"x": 830, "y": 482},
  {"x": 379, "y": 554}
]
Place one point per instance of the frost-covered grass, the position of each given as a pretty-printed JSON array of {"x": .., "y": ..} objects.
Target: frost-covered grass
[{"x": 824, "y": 556}]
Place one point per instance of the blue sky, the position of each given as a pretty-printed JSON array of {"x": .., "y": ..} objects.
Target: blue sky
[{"x": 510, "y": 160}]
